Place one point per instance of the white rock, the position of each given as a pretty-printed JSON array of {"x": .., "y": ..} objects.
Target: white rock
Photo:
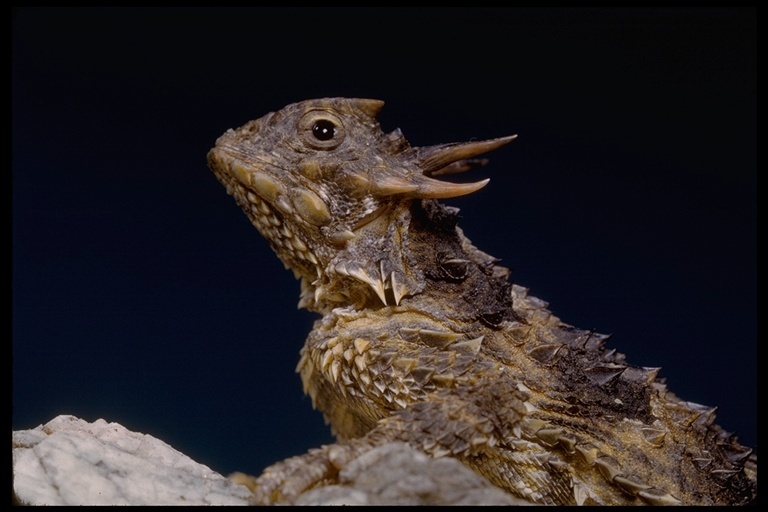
[
  {"x": 395, "y": 474},
  {"x": 69, "y": 461}
]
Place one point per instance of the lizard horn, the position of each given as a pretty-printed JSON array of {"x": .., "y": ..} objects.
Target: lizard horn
[
  {"x": 435, "y": 189},
  {"x": 371, "y": 108},
  {"x": 433, "y": 159},
  {"x": 418, "y": 186}
]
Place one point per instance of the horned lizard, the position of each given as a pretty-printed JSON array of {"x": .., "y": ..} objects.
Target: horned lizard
[{"x": 423, "y": 339}]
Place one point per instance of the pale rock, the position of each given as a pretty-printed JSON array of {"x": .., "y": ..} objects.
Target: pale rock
[
  {"x": 395, "y": 474},
  {"x": 69, "y": 461}
]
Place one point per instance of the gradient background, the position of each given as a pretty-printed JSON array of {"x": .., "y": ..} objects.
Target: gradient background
[{"x": 142, "y": 295}]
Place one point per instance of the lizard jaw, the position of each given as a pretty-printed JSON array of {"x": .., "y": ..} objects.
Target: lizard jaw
[{"x": 268, "y": 203}]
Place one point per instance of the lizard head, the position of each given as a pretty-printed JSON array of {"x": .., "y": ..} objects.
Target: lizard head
[{"x": 312, "y": 175}]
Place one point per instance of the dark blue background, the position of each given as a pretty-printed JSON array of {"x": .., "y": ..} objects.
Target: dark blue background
[{"x": 142, "y": 295}]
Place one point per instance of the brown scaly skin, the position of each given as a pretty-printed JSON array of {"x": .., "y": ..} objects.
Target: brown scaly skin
[{"x": 423, "y": 340}]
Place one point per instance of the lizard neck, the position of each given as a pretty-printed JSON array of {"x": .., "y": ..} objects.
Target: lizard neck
[
  {"x": 413, "y": 253},
  {"x": 369, "y": 269}
]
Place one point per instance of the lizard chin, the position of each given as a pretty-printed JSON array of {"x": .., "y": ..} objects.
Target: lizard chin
[{"x": 268, "y": 204}]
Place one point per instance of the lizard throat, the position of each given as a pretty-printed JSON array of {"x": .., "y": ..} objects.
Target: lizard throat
[{"x": 285, "y": 241}]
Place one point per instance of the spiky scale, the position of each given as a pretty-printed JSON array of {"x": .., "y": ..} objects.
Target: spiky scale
[
  {"x": 549, "y": 436},
  {"x": 604, "y": 374},
  {"x": 545, "y": 353},
  {"x": 654, "y": 436},
  {"x": 736, "y": 453},
  {"x": 473, "y": 345},
  {"x": 658, "y": 497},
  {"x": 632, "y": 487},
  {"x": 608, "y": 467},
  {"x": 641, "y": 375},
  {"x": 568, "y": 443},
  {"x": 703, "y": 462},
  {"x": 588, "y": 453}
]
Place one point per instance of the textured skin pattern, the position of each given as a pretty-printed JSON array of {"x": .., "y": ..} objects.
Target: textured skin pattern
[{"x": 423, "y": 339}]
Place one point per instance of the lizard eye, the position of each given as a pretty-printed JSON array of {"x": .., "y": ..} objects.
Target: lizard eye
[{"x": 321, "y": 130}]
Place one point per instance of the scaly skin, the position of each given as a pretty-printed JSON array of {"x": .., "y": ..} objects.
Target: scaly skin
[{"x": 423, "y": 340}]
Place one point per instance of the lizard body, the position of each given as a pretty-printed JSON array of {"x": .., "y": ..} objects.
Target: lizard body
[{"x": 422, "y": 338}]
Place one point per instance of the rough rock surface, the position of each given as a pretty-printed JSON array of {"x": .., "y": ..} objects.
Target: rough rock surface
[
  {"x": 394, "y": 474},
  {"x": 69, "y": 461}
]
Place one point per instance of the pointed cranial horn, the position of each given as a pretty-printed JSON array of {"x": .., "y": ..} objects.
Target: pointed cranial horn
[
  {"x": 432, "y": 159},
  {"x": 414, "y": 179},
  {"x": 418, "y": 186},
  {"x": 394, "y": 185},
  {"x": 435, "y": 189},
  {"x": 371, "y": 108},
  {"x": 467, "y": 164}
]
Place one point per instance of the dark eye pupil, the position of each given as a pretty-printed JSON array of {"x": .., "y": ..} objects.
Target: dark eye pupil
[{"x": 323, "y": 129}]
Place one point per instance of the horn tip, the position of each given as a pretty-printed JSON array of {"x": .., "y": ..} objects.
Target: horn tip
[
  {"x": 369, "y": 107},
  {"x": 508, "y": 138}
]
